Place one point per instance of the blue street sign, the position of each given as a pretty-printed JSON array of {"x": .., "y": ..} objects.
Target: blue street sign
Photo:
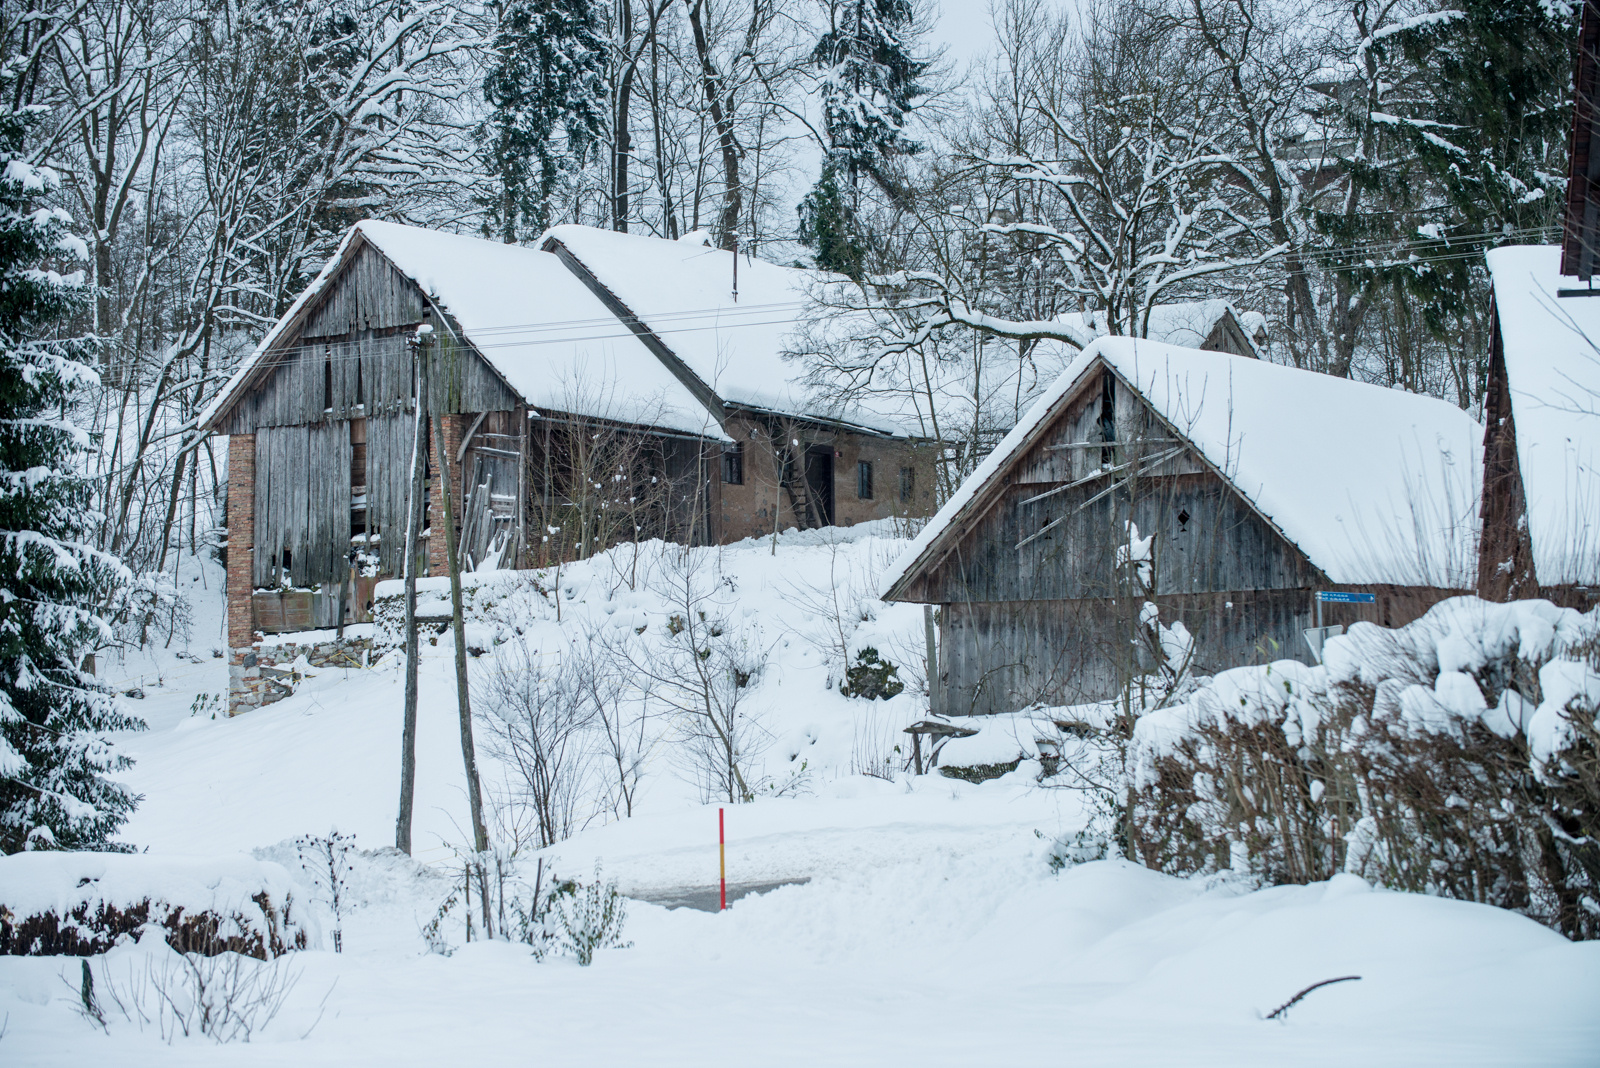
[{"x": 1341, "y": 597}]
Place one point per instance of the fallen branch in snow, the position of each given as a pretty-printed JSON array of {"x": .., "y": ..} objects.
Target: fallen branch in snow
[{"x": 1278, "y": 1012}]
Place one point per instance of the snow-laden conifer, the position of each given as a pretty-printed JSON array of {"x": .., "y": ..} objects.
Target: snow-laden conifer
[
  {"x": 870, "y": 82},
  {"x": 545, "y": 90},
  {"x": 54, "y": 720}
]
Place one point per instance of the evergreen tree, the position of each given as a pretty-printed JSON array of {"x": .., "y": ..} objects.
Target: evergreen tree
[
  {"x": 54, "y": 750},
  {"x": 1496, "y": 112},
  {"x": 870, "y": 83},
  {"x": 828, "y": 226},
  {"x": 545, "y": 87}
]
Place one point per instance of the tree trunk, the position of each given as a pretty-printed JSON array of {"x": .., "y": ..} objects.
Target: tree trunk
[
  {"x": 408, "y": 733},
  {"x": 733, "y": 201}
]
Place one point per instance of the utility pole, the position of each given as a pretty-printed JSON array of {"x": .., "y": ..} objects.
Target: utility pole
[
  {"x": 420, "y": 345},
  {"x": 469, "y": 756},
  {"x": 480, "y": 832}
]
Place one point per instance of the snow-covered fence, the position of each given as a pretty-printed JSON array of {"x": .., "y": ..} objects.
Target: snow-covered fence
[
  {"x": 82, "y": 904},
  {"x": 1458, "y": 755}
]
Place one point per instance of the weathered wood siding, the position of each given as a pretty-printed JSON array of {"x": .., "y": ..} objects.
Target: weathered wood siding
[
  {"x": 493, "y": 480},
  {"x": 1002, "y": 656},
  {"x": 461, "y": 383},
  {"x": 1207, "y": 536},
  {"x": 389, "y": 448},
  {"x": 350, "y": 357},
  {"x": 368, "y": 293},
  {"x": 999, "y": 657},
  {"x": 302, "y": 504}
]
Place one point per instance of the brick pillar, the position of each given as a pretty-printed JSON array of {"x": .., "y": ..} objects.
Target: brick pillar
[
  {"x": 241, "y": 537},
  {"x": 454, "y": 427},
  {"x": 244, "y": 673}
]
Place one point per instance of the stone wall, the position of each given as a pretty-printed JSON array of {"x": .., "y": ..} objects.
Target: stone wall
[{"x": 262, "y": 674}]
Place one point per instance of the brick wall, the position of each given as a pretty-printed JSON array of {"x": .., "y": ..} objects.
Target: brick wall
[
  {"x": 747, "y": 510},
  {"x": 454, "y": 427}
]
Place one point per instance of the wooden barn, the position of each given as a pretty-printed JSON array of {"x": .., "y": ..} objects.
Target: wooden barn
[
  {"x": 1154, "y": 485},
  {"x": 1541, "y": 490},
  {"x": 570, "y": 422}
]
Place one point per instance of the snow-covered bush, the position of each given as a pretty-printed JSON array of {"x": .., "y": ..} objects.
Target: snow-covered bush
[
  {"x": 81, "y": 904},
  {"x": 585, "y": 917},
  {"x": 871, "y": 677},
  {"x": 1458, "y": 755}
]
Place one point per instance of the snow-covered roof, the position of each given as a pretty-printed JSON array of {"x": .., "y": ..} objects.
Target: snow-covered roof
[
  {"x": 1374, "y": 485},
  {"x": 1186, "y": 324},
  {"x": 1552, "y": 354},
  {"x": 682, "y": 291},
  {"x": 552, "y": 340}
]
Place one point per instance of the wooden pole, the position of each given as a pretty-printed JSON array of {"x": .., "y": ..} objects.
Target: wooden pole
[
  {"x": 480, "y": 832},
  {"x": 408, "y": 733},
  {"x": 933, "y": 659},
  {"x": 722, "y": 860}
]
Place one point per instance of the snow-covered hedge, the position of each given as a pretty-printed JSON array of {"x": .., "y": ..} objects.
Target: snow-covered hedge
[
  {"x": 1458, "y": 755},
  {"x": 81, "y": 904}
]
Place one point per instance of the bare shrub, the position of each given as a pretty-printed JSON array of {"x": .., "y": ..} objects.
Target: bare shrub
[
  {"x": 621, "y": 704},
  {"x": 226, "y": 998},
  {"x": 702, "y": 669},
  {"x": 326, "y": 861},
  {"x": 538, "y": 711}
]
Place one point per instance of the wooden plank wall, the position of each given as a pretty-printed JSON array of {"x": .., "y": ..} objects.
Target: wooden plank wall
[
  {"x": 351, "y": 358},
  {"x": 368, "y": 294},
  {"x": 996, "y": 658},
  {"x": 389, "y": 446},
  {"x": 299, "y": 507},
  {"x": 1208, "y": 538}
]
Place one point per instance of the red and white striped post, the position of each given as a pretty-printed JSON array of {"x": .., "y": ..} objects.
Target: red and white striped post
[{"x": 722, "y": 857}]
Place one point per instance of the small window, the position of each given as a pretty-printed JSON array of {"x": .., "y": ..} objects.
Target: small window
[
  {"x": 908, "y": 483},
  {"x": 864, "y": 480},
  {"x": 733, "y": 464}
]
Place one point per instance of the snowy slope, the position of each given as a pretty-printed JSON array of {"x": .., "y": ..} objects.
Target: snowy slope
[
  {"x": 1552, "y": 353},
  {"x": 931, "y": 930},
  {"x": 1374, "y": 485}
]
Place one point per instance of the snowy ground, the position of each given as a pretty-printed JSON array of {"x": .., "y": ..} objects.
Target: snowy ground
[{"x": 931, "y": 930}]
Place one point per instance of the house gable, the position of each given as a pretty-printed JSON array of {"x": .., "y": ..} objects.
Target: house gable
[
  {"x": 1047, "y": 525},
  {"x": 343, "y": 354}
]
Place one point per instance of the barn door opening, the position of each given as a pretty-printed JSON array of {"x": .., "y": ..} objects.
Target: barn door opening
[{"x": 819, "y": 483}]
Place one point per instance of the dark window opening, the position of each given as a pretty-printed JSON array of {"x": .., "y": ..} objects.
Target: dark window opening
[
  {"x": 1108, "y": 414},
  {"x": 819, "y": 485},
  {"x": 864, "y": 480},
  {"x": 908, "y": 483},
  {"x": 733, "y": 464},
  {"x": 327, "y": 380}
]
